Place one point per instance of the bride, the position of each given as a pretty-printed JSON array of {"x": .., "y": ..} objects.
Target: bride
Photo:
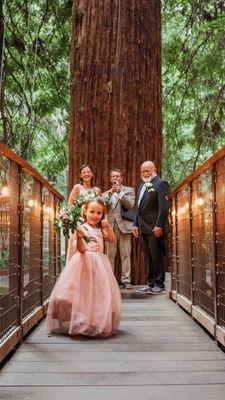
[{"x": 85, "y": 186}]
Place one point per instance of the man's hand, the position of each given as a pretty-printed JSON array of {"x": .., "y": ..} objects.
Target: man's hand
[
  {"x": 135, "y": 232},
  {"x": 110, "y": 192},
  {"x": 157, "y": 231},
  {"x": 116, "y": 187}
]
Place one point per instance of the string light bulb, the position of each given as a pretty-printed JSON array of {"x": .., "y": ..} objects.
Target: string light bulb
[
  {"x": 47, "y": 210},
  {"x": 200, "y": 202},
  {"x": 5, "y": 190}
]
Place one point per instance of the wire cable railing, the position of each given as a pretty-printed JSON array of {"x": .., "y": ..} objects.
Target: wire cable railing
[
  {"x": 197, "y": 245},
  {"x": 30, "y": 251}
]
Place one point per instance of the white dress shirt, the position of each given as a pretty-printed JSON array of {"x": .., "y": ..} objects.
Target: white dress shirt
[
  {"x": 116, "y": 197},
  {"x": 141, "y": 194},
  {"x": 144, "y": 188}
]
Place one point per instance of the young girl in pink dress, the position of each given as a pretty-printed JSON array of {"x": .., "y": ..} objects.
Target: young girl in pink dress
[{"x": 86, "y": 299}]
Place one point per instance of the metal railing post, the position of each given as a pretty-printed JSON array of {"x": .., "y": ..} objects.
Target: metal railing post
[
  {"x": 41, "y": 244},
  {"x": 20, "y": 250},
  {"x": 191, "y": 243}
]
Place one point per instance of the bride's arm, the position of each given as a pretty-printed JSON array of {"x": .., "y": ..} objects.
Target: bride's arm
[
  {"x": 74, "y": 193},
  {"x": 98, "y": 190}
]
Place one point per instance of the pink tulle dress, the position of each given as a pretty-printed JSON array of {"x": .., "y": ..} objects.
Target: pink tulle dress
[{"x": 86, "y": 299}]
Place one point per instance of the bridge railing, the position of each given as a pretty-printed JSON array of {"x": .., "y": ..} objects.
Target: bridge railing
[
  {"x": 197, "y": 245},
  {"x": 30, "y": 252}
]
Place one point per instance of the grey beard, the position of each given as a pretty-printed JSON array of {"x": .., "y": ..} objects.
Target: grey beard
[{"x": 146, "y": 179}]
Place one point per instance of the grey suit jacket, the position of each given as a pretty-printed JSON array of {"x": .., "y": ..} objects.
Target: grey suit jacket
[{"x": 114, "y": 214}]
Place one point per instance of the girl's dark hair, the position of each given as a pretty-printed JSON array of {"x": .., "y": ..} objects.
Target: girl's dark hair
[
  {"x": 99, "y": 201},
  {"x": 85, "y": 166}
]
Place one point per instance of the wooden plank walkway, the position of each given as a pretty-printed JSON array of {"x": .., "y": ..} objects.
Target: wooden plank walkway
[{"x": 158, "y": 353}]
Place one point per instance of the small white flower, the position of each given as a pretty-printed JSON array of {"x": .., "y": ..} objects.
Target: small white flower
[{"x": 149, "y": 187}]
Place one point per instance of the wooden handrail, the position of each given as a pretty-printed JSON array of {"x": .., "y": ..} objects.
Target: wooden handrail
[
  {"x": 5, "y": 151},
  {"x": 206, "y": 165}
]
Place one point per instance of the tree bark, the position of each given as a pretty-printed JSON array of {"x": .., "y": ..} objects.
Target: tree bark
[{"x": 115, "y": 115}]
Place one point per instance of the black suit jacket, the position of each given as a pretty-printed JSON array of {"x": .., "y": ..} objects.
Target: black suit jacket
[{"x": 154, "y": 207}]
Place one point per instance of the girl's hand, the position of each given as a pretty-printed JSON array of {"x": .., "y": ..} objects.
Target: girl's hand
[
  {"x": 80, "y": 231},
  {"x": 105, "y": 223}
]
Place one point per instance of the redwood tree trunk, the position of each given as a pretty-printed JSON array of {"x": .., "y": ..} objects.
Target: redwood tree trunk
[{"x": 115, "y": 116}]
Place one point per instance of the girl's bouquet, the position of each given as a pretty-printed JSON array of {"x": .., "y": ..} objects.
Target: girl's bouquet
[{"x": 69, "y": 218}]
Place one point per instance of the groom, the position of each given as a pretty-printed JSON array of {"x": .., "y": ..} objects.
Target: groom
[{"x": 150, "y": 225}]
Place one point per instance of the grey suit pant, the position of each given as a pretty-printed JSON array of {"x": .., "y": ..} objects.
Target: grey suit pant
[{"x": 123, "y": 240}]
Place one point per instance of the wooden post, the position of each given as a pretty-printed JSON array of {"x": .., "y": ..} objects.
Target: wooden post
[
  {"x": 41, "y": 246},
  {"x": 216, "y": 266},
  {"x": 177, "y": 238}
]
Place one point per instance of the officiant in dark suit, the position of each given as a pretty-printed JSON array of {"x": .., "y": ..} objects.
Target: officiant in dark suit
[{"x": 151, "y": 224}]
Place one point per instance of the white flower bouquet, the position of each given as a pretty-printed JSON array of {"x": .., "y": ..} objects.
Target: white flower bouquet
[{"x": 69, "y": 218}]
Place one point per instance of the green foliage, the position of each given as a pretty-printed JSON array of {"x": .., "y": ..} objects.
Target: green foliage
[
  {"x": 4, "y": 260},
  {"x": 35, "y": 93},
  {"x": 36, "y": 83},
  {"x": 193, "y": 84}
]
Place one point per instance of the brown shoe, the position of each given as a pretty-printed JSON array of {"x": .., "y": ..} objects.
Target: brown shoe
[{"x": 127, "y": 286}]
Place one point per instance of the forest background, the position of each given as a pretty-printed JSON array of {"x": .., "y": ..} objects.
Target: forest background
[{"x": 35, "y": 89}]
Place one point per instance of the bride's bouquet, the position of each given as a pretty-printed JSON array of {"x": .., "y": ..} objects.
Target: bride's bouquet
[{"x": 69, "y": 218}]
